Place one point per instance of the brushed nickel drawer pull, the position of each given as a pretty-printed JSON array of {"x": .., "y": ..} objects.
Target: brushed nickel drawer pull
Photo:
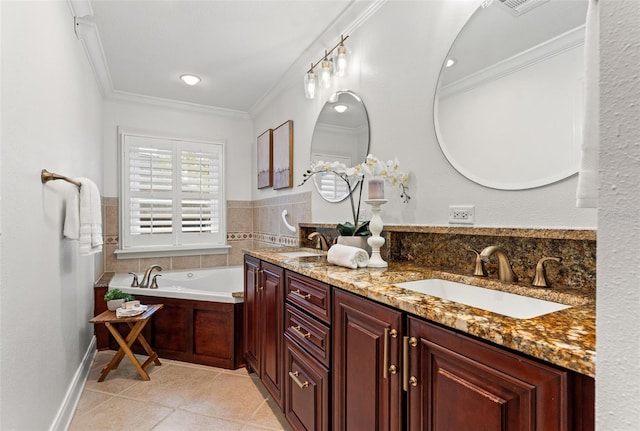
[
  {"x": 294, "y": 376},
  {"x": 300, "y": 294},
  {"x": 298, "y": 331}
]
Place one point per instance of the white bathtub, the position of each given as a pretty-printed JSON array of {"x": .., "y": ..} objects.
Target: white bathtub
[{"x": 224, "y": 284}]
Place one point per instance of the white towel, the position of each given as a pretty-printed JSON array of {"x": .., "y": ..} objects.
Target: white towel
[
  {"x": 587, "y": 192},
  {"x": 347, "y": 256},
  {"x": 83, "y": 217}
]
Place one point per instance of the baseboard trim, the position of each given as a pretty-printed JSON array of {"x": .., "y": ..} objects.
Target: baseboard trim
[{"x": 70, "y": 402}]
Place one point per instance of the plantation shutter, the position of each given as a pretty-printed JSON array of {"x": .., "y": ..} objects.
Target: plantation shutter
[
  {"x": 172, "y": 193},
  {"x": 331, "y": 186},
  {"x": 199, "y": 192}
]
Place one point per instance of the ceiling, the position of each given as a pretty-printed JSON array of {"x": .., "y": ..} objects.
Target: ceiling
[{"x": 239, "y": 48}]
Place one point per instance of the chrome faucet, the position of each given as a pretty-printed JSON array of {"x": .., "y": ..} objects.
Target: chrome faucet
[
  {"x": 321, "y": 241},
  {"x": 145, "y": 280},
  {"x": 505, "y": 272}
]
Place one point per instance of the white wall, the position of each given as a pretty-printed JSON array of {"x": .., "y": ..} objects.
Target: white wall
[
  {"x": 618, "y": 301},
  {"x": 233, "y": 129},
  {"x": 52, "y": 117},
  {"x": 396, "y": 56}
]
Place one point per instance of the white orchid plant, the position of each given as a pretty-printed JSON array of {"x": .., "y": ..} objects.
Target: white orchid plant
[{"x": 389, "y": 171}]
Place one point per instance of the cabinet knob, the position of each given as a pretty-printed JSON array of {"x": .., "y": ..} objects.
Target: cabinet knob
[
  {"x": 393, "y": 369},
  {"x": 413, "y": 381}
]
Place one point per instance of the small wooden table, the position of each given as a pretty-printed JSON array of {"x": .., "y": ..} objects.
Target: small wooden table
[{"x": 136, "y": 324}]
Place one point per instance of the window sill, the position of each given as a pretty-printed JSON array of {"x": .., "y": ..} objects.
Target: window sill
[{"x": 142, "y": 252}]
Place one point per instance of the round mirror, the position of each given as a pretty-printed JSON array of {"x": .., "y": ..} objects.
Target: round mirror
[
  {"x": 341, "y": 134},
  {"x": 509, "y": 102}
]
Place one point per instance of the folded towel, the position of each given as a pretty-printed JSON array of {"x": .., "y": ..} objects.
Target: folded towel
[
  {"x": 71, "y": 228},
  {"x": 90, "y": 231},
  {"x": 83, "y": 217},
  {"x": 347, "y": 256}
]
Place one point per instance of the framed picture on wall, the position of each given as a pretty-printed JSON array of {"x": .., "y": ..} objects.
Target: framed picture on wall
[
  {"x": 283, "y": 156},
  {"x": 265, "y": 159}
]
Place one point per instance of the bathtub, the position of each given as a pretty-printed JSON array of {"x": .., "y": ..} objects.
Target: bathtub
[
  {"x": 201, "y": 320},
  {"x": 224, "y": 284}
]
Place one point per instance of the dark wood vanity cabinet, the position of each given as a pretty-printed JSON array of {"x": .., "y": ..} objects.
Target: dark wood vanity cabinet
[
  {"x": 457, "y": 383},
  {"x": 307, "y": 353},
  {"x": 263, "y": 325},
  {"x": 366, "y": 365},
  {"x": 339, "y": 361}
]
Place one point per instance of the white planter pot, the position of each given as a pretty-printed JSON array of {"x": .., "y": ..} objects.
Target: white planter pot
[
  {"x": 355, "y": 241},
  {"x": 115, "y": 303}
]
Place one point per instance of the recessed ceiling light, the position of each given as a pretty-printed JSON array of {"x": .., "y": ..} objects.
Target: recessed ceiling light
[
  {"x": 340, "y": 108},
  {"x": 190, "y": 79},
  {"x": 451, "y": 61}
]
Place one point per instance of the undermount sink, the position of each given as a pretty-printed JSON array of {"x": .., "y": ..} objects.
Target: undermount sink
[
  {"x": 508, "y": 304},
  {"x": 300, "y": 253}
]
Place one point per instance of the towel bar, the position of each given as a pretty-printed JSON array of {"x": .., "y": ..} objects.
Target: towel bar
[{"x": 46, "y": 176}]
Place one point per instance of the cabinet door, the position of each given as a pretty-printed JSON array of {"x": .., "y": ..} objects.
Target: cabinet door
[
  {"x": 306, "y": 406},
  {"x": 458, "y": 384},
  {"x": 251, "y": 314},
  {"x": 272, "y": 328},
  {"x": 365, "y": 397}
]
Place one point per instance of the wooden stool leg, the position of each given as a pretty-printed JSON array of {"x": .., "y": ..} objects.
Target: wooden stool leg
[
  {"x": 153, "y": 356},
  {"x": 124, "y": 349}
]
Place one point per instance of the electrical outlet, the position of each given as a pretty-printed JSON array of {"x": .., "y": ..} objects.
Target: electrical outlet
[{"x": 461, "y": 214}]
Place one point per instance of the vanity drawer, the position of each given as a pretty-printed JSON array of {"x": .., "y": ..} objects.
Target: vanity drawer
[
  {"x": 310, "y": 334},
  {"x": 309, "y": 295},
  {"x": 306, "y": 387}
]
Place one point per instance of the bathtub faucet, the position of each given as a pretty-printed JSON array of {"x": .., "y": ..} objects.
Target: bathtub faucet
[{"x": 145, "y": 280}]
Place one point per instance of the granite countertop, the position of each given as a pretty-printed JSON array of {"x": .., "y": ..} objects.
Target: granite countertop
[{"x": 565, "y": 338}]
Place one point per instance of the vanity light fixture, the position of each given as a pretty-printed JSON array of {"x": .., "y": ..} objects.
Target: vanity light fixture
[
  {"x": 340, "y": 108},
  {"x": 326, "y": 71},
  {"x": 310, "y": 84},
  {"x": 328, "y": 68},
  {"x": 190, "y": 79}
]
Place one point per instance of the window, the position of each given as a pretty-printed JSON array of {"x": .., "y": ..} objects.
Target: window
[{"x": 172, "y": 194}]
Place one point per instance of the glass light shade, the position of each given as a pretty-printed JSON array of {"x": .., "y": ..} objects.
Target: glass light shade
[
  {"x": 325, "y": 74},
  {"x": 310, "y": 85},
  {"x": 341, "y": 60}
]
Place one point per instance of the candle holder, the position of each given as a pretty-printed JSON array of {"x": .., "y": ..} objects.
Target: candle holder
[{"x": 375, "y": 240}]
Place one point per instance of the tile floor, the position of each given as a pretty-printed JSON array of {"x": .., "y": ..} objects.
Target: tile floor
[{"x": 179, "y": 396}]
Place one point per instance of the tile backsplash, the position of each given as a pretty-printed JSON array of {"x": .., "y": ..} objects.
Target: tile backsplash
[{"x": 249, "y": 224}]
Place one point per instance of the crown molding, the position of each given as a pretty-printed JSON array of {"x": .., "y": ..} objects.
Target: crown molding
[
  {"x": 80, "y": 8},
  {"x": 122, "y": 96},
  {"x": 356, "y": 14},
  {"x": 555, "y": 46},
  {"x": 86, "y": 31}
]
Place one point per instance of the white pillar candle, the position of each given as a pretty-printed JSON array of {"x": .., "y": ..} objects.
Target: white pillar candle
[{"x": 376, "y": 189}]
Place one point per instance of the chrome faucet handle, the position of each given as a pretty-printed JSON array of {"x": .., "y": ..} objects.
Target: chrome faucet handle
[
  {"x": 540, "y": 277},
  {"x": 479, "y": 269},
  {"x": 134, "y": 282},
  {"x": 154, "y": 282}
]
